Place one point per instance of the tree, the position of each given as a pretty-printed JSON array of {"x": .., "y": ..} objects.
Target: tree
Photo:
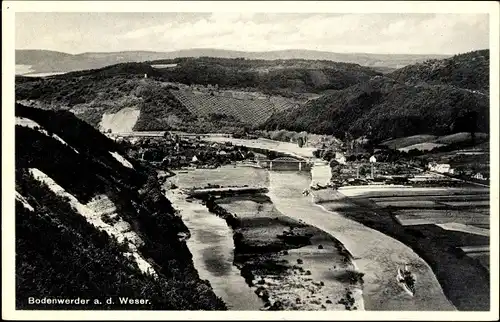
[
  {"x": 472, "y": 125},
  {"x": 300, "y": 142}
]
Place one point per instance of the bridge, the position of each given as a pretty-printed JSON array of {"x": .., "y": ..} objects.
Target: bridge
[{"x": 285, "y": 164}]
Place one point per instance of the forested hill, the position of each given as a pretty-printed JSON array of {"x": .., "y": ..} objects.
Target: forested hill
[
  {"x": 90, "y": 94},
  {"x": 275, "y": 77},
  {"x": 91, "y": 223},
  {"x": 434, "y": 97},
  {"x": 469, "y": 70},
  {"x": 383, "y": 108}
]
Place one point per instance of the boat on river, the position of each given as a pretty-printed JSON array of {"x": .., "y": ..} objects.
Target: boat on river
[{"x": 407, "y": 279}]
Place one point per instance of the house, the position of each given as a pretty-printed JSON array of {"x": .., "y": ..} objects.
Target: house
[
  {"x": 340, "y": 157},
  {"x": 479, "y": 176},
  {"x": 373, "y": 159},
  {"x": 194, "y": 159},
  {"x": 439, "y": 167}
]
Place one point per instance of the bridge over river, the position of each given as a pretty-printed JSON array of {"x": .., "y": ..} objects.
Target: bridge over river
[{"x": 285, "y": 164}]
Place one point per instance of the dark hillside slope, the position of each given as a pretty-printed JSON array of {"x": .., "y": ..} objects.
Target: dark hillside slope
[
  {"x": 61, "y": 249},
  {"x": 469, "y": 70},
  {"x": 383, "y": 108}
]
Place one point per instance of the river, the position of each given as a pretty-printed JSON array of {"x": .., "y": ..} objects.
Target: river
[
  {"x": 375, "y": 254},
  {"x": 211, "y": 244}
]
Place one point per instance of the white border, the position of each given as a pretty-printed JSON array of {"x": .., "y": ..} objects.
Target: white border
[{"x": 8, "y": 201}]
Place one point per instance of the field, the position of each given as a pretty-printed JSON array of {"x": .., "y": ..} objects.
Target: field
[
  {"x": 409, "y": 140},
  {"x": 459, "y": 137},
  {"x": 223, "y": 176},
  {"x": 428, "y": 142},
  {"x": 426, "y": 146},
  {"x": 250, "y": 111},
  {"x": 438, "y": 223}
]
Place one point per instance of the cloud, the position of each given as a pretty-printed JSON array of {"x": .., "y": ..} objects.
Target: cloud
[{"x": 374, "y": 33}]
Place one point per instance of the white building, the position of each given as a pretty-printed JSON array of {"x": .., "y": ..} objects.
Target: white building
[
  {"x": 479, "y": 176},
  {"x": 439, "y": 167},
  {"x": 373, "y": 159},
  {"x": 340, "y": 157}
]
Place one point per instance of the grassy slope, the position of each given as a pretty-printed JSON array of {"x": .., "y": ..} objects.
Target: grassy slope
[
  {"x": 53, "y": 240},
  {"x": 407, "y": 141},
  {"x": 461, "y": 138}
]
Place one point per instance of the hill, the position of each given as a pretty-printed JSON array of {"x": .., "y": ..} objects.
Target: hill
[
  {"x": 383, "y": 108},
  {"x": 283, "y": 77},
  {"x": 469, "y": 71},
  {"x": 91, "y": 223},
  {"x": 39, "y": 57},
  {"x": 91, "y": 94},
  {"x": 163, "y": 101},
  {"x": 42, "y": 61}
]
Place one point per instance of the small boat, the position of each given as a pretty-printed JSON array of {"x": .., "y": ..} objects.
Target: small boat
[{"x": 407, "y": 278}]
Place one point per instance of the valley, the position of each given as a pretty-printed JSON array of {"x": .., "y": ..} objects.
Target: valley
[
  {"x": 220, "y": 183},
  {"x": 349, "y": 216}
]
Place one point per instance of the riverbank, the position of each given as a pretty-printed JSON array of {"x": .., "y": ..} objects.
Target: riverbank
[
  {"x": 289, "y": 264},
  {"x": 270, "y": 261},
  {"x": 375, "y": 254},
  {"x": 212, "y": 248},
  {"x": 464, "y": 280}
]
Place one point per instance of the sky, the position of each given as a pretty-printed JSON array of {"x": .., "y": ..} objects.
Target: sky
[{"x": 343, "y": 33}]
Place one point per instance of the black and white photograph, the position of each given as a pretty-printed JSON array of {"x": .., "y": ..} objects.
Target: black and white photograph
[{"x": 243, "y": 158}]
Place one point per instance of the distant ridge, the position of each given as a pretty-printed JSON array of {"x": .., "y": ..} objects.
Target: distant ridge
[{"x": 44, "y": 61}]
